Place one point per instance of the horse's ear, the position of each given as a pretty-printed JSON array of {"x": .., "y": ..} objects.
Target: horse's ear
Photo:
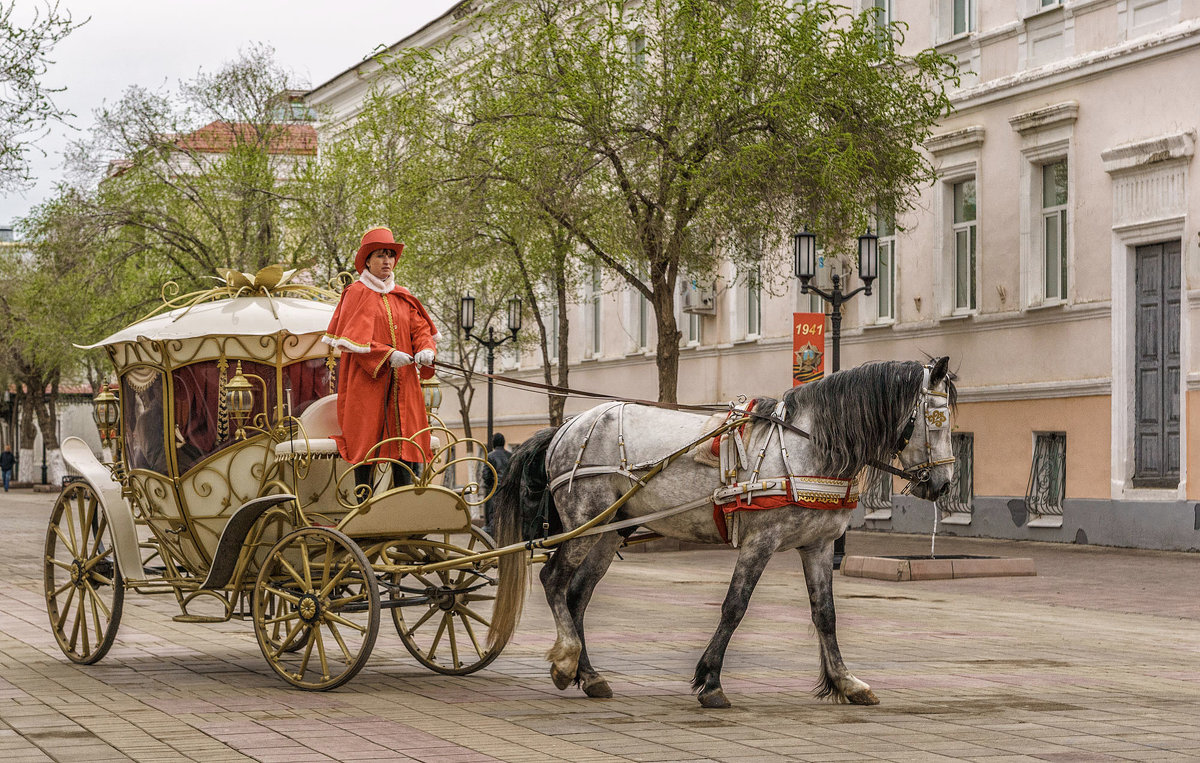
[{"x": 938, "y": 374}]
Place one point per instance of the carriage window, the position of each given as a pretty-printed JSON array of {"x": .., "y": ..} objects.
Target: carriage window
[{"x": 144, "y": 423}]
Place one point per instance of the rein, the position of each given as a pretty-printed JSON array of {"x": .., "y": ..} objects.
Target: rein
[{"x": 918, "y": 473}]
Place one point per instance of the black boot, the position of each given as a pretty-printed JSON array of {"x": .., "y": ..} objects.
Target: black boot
[{"x": 362, "y": 482}]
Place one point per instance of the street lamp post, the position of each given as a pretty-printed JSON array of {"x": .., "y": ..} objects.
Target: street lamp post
[
  {"x": 804, "y": 249},
  {"x": 467, "y": 321}
]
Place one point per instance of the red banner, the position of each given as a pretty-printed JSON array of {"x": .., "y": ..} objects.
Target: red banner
[{"x": 808, "y": 347}]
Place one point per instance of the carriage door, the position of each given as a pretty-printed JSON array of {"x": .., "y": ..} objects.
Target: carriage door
[{"x": 1156, "y": 439}]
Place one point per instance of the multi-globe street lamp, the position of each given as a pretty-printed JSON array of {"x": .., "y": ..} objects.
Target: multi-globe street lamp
[
  {"x": 466, "y": 319},
  {"x": 804, "y": 250}
]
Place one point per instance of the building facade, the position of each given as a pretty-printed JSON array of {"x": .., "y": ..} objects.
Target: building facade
[{"x": 1056, "y": 260}]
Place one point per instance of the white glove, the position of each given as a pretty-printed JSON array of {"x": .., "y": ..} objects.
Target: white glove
[
  {"x": 425, "y": 358},
  {"x": 398, "y": 359}
]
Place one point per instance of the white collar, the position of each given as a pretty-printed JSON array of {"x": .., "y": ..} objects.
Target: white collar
[{"x": 375, "y": 284}]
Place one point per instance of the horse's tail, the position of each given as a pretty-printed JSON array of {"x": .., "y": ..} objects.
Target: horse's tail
[{"x": 522, "y": 490}]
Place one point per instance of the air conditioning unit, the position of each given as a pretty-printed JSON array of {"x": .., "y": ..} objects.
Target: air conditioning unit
[{"x": 699, "y": 300}]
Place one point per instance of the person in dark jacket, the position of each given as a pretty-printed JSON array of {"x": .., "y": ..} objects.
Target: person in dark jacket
[
  {"x": 7, "y": 461},
  {"x": 498, "y": 457}
]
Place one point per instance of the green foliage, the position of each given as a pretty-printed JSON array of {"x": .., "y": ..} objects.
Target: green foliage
[
  {"x": 652, "y": 134},
  {"x": 26, "y": 106},
  {"x": 204, "y": 179}
]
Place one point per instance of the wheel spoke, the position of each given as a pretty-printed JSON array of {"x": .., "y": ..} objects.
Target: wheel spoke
[
  {"x": 334, "y": 617},
  {"x": 308, "y": 585},
  {"x": 449, "y": 620},
  {"x": 465, "y": 612},
  {"x": 67, "y": 544},
  {"x": 287, "y": 641},
  {"x": 321, "y": 653},
  {"x": 291, "y": 599},
  {"x": 433, "y": 610},
  {"x": 282, "y": 618},
  {"x": 471, "y": 631},
  {"x": 313, "y": 635},
  {"x": 66, "y": 609},
  {"x": 437, "y": 636},
  {"x": 71, "y": 544},
  {"x": 101, "y": 529},
  {"x": 58, "y": 591},
  {"x": 349, "y": 658},
  {"x": 289, "y": 568},
  {"x": 341, "y": 573},
  {"x": 95, "y": 597}
]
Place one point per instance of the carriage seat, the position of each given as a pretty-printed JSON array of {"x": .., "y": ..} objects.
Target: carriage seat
[{"x": 320, "y": 425}]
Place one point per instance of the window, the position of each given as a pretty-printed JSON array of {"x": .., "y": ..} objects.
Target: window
[
  {"x": 640, "y": 315},
  {"x": 595, "y": 286},
  {"x": 752, "y": 302},
  {"x": 552, "y": 331},
  {"x": 882, "y": 10},
  {"x": 876, "y": 496},
  {"x": 1054, "y": 229},
  {"x": 1050, "y": 3},
  {"x": 810, "y": 302},
  {"x": 692, "y": 335},
  {"x": 957, "y": 503},
  {"x": 1047, "y": 479},
  {"x": 964, "y": 246},
  {"x": 637, "y": 48},
  {"x": 885, "y": 284},
  {"x": 962, "y": 15}
]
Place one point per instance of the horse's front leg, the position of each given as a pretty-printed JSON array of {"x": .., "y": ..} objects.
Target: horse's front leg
[
  {"x": 557, "y": 577},
  {"x": 836, "y": 681},
  {"x": 752, "y": 559},
  {"x": 580, "y": 594}
]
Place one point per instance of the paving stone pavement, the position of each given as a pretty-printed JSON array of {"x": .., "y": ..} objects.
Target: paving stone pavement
[{"x": 1096, "y": 658}]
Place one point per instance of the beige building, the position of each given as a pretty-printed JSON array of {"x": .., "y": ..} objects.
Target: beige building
[{"x": 1055, "y": 260}]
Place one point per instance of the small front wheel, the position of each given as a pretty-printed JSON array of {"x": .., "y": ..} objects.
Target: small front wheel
[
  {"x": 446, "y": 627},
  {"x": 316, "y": 608},
  {"x": 84, "y": 590}
]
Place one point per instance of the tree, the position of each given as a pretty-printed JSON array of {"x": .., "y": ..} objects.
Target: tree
[
  {"x": 682, "y": 126},
  {"x": 26, "y": 105},
  {"x": 206, "y": 178}
]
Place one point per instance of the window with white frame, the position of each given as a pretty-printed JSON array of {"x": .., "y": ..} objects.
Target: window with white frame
[
  {"x": 552, "y": 333},
  {"x": 823, "y": 278},
  {"x": 965, "y": 244},
  {"x": 595, "y": 325},
  {"x": 1054, "y": 229},
  {"x": 640, "y": 316},
  {"x": 962, "y": 16},
  {"x": 881, "y": 17},
  {"x": 885, "y": 283},
  {"x": 751, "y": 303},
  {"x": 692, "y": 331}
]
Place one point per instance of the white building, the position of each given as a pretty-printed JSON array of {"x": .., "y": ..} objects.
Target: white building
[{"x": 1055, "y": 260}]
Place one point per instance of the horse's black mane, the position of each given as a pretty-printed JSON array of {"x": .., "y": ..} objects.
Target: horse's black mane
[{"x": 857, "y": 414}]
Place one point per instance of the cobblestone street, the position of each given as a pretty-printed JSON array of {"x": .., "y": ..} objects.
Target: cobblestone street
[{"x": 1096, "y": 658}]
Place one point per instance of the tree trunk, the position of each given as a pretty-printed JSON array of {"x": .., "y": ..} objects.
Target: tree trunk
[
  {"x": 668, "y": 343},
  {"x": 28, "y": 436},
  {"x": 558, "y": 403},
  {"x": 47, "y": 420}
]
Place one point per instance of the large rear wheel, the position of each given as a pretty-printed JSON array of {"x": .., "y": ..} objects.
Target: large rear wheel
[
  {"x": 316, "y": 608},
  {"x": 447, "y": 631},
  {"x": 84, "y": 591}
]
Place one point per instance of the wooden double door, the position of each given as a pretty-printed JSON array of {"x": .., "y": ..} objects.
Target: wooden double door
[{"x": 1156, "y": 432}]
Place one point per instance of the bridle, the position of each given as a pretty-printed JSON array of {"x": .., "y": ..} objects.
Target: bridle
[{"x": 935, "y": 418}]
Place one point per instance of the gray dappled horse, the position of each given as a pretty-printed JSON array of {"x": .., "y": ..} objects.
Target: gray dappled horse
[{"x": 870, "y": 413}]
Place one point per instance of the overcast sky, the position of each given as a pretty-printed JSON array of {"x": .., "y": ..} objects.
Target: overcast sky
[{"x": 157, "y": 43}]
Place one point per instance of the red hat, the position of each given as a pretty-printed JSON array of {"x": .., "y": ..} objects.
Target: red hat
[{"x": 372, "y": 241}]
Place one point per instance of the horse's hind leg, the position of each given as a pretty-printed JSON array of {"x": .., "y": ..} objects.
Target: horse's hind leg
[
  {"x": 557, "y": 577},
  {"x": 580, "y": 594},
  {"x": 836, "y": 680},
  {"x": 752, "y": 559}
]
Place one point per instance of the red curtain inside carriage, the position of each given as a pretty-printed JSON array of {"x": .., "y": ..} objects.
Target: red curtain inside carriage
[{"x": 197, "y": 423}]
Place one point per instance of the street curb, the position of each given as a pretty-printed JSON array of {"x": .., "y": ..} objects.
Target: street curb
[{"x": 899, "y": 569}]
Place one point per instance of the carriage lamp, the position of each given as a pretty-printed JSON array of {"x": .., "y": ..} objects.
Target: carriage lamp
[
  {"x": 106, "y": 412},
  {"x": 240, "y": 394},
  {"x": 431, "y": 388}
]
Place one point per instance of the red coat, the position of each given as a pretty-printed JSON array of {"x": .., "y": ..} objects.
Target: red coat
[{"x": 376, "y": 401}]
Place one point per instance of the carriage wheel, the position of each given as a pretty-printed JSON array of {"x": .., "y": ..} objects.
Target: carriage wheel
[
  {"x": 448, "y": 633},
  {"x": 84, "y": 591},
  {"x": 316, "y": 584}
]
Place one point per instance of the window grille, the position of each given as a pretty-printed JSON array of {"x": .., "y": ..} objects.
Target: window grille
[
  {"x": 958, "y": 502},
  {"x": 1047, "y": 476},
  {"x": 876, "y": 494}
]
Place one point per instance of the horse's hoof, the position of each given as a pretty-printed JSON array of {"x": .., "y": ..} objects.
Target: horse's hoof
[
  {"x": 864, "y": 697},
  {"x": 598, "y": 688},
  {"x": 561, "y": 680},
  {"x": 714, "y": 699}
]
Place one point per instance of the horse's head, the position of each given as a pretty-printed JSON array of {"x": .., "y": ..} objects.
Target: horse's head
[{"x": 923, "y": 445}]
